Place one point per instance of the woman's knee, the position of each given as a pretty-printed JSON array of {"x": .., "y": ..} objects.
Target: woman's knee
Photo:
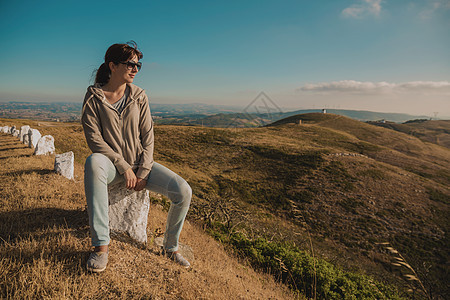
[
  {"x": 180, "y": 191},
  {"x": 95, "y": 165}
]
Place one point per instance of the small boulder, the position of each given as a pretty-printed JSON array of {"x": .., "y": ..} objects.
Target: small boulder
[
  {"x": 23, "y": 131},
  {"x": 45, "y": 145},
  {"x": 64, "y": 164},
  {"x": 34, "y": 137},
  {"x": 15, "y": 132},
  {"x": 26, "y": 139},
  {"x": 128, "y": 212}
]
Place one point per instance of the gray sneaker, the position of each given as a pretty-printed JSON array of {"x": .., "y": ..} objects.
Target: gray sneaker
[
  {"x": 177, "y": 257},
  {"x": 97, "y": 262}
]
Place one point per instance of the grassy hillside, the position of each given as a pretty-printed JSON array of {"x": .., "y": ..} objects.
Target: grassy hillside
[
  {"x": 395, "y": 148},
  {"x": 433, "y": 131},
  {"x": 44, "y": 245},
  {"x": 332, "y": 188}
]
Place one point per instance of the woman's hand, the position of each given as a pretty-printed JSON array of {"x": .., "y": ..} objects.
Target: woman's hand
[
  {"x": 130, "y": 179},
  {"x": 140, "y": 185}
]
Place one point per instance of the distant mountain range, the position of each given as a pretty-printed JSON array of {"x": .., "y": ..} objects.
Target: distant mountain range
[
  {"x": 191, "y": 114},
  {"x": 362, "y": 115},
  {"x": 260, "y": 119}
]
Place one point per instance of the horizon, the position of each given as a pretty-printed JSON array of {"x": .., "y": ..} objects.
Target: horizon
[
  {"x": 242, "y": 109},
  {"x": 373, "y": 55}
]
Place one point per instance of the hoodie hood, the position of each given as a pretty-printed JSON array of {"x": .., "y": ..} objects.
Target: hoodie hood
[
  {"x": 136, "y": 93},
  {"x": 95, "y": 94}
]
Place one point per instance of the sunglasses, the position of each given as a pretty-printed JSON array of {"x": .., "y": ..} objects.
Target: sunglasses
[{"x": 131, "y": 64}]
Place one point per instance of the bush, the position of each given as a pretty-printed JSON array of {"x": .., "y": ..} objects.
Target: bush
[{"x": 305, "y": 274}]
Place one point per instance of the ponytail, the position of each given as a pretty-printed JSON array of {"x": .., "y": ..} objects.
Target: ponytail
[{"x": 103, "y": 74}]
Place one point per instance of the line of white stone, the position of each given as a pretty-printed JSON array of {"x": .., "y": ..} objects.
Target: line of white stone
[{"x": 43, "y": 145}]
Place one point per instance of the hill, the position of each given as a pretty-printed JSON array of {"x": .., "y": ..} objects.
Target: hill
[
  {"x": 332, "y": 187},
  {"x": 361, "y": 115},
  {"x": 433, "y": 131},
  {"x": 44, "y": 245},
  {"x": 255, "y": 119}
]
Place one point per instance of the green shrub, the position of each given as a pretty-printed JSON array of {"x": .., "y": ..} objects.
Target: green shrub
[{"x": 303, "y": 273}]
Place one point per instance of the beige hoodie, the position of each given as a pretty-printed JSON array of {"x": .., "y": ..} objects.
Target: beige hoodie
[{"x": 125, "y": 138}]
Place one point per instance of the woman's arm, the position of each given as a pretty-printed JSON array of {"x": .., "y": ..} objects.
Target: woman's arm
[{"x": 147, "y": 140}]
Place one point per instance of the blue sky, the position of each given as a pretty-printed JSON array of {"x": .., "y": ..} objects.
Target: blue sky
[{"x": 381, "y": 55}]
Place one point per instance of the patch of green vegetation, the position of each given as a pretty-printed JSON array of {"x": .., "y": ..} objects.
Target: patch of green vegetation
[
  {"x": 303, "y": 273},
  {"x": 438, "y": 196},
  {"x": 374, "y": 173}
]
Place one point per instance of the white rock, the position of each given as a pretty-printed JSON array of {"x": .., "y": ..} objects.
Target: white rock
[
  {"x": 128, "y": 212},
  {"x": 23, "y": 131},
  {"x": 34, "y": 137},
  {"x": 45, "y": 145},
  {"x": 26, "y": 139},
  {"x": 64, "y": 164}
]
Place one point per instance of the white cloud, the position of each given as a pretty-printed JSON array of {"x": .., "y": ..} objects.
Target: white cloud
[
  {"x": 433, "y": 6},
  {"x": 363, "y": 8},
  {"x": 352, "y": 86}
]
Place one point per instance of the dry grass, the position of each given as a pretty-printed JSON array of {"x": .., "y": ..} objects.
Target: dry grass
[
  {"x": 349, "y": 202},
  {"x": 44, "y": 245},
  {"x": 407, "y": 271}
]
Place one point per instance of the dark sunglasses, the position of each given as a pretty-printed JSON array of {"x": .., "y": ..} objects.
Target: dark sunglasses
[{"x": 131, "y": 64}]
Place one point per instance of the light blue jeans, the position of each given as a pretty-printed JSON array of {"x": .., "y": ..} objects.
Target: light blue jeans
[{"x": 99, "y": 171}]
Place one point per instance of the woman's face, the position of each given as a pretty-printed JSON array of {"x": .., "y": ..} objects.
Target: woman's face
[{"x": 123, "y": 72}]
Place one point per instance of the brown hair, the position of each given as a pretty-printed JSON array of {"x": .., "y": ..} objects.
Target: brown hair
[{"x": 116, "y": 53}]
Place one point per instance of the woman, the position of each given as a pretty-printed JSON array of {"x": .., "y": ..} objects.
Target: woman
[{"x": 119, "y": 130}]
